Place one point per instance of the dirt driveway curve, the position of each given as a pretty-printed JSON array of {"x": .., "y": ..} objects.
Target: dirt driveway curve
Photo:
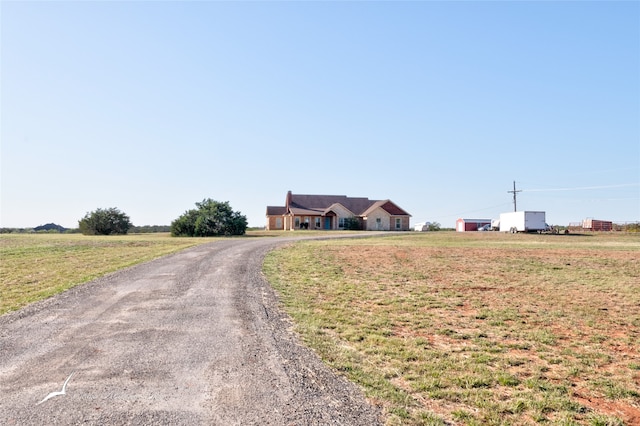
[{"x": 192, "y": 338}]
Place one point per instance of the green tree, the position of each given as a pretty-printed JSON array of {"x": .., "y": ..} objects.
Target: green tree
[
  {"x": 109, "y": 221},
  {"x": 210, "y": 218},
  {"x": 434, "y": 226}
]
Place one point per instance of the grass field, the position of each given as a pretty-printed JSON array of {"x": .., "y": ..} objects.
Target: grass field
[
  {"x": 437, "y": 328},
  {"x": 36, "y": 266},
  {"x": 475, "y": 328}
]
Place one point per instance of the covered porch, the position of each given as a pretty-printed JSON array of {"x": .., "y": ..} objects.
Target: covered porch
[{"x": 303, "y": 220}]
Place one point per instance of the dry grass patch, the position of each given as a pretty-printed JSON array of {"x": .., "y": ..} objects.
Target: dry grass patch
[
  {"x": 36, "y": 266},
  {"x": 475, "y": 329}
]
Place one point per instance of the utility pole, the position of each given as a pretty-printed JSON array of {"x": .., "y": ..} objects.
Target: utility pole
[{"x": 514, "y": 192}]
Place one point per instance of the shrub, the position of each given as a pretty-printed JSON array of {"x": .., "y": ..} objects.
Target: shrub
[
  {"x": 352, "y": 224},
  {"x": 109, "y": 221},
  {"x": 434, "y": 226},
  {"x": 211, "y": 218}
]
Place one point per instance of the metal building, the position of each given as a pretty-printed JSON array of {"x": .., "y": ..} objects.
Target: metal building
[{"x": 464, "y": 225}]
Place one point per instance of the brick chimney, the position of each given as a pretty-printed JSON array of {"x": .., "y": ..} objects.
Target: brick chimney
[{"x": 287, "y": 202}]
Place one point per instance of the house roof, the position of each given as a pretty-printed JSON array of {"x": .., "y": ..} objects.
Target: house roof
[
  {"x": 305, "y": 204},
  {"x": 309, "y": 212},
  {"x": 323, "y": 202},
  {"x": 387, "y": 206},
  {"x": 276, "y": 210}
]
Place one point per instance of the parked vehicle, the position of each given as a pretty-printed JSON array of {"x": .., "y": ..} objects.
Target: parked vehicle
[
  {"x": 523, "y": 221},
  {"x": 485, "y": 228},
  {"x": 552, "y": 229},
  {"x": 422, "y": 227}
]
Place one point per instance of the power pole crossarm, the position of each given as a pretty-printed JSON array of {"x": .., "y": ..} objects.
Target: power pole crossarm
[{"x": 514, "y": 192}]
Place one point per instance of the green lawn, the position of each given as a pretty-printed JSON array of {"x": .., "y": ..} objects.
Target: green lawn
[
  {"x": 36, "y": 266},
  {"x": 475, "y": 328}
]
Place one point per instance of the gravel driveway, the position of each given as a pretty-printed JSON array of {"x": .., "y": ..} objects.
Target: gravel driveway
[{"x": 192, "y": 338}]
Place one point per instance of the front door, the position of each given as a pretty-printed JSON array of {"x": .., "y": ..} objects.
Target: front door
[{"x": 327, "y": 223}]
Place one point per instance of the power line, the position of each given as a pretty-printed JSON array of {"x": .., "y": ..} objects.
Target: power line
[
  {"x": 474, "y": 211},
  {"x": 581, "y": 188}
]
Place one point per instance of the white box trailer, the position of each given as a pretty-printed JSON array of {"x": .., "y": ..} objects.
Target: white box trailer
[{"x": 523, "y": 222}]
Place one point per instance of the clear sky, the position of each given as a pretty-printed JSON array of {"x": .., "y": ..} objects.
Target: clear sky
[{"x": 439, "y": 106}]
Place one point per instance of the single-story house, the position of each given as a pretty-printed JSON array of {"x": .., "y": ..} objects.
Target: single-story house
[
  {"x": 333, "y": 212},
  {"x": 463, "y": 225}
]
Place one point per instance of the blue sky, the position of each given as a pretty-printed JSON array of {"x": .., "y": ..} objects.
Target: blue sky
[{"x": 439, "y": 106}]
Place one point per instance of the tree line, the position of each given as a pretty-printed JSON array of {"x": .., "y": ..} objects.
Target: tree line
[{"x": 210, "y": 218}]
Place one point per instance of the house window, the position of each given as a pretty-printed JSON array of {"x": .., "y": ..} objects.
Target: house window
[
  {"x": 317, "y": 223},
  {"x": 278, "y": 222},
  {"x": 341, "y": 223},
  {"x": 297, "y": 223},
  {"x": 398, "y": 223}
]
